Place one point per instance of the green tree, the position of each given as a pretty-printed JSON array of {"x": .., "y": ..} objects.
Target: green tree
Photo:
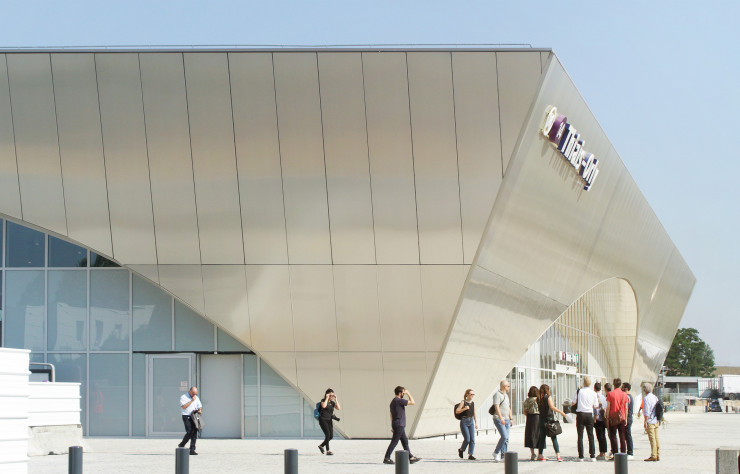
[{"x": 689, "y": 355}]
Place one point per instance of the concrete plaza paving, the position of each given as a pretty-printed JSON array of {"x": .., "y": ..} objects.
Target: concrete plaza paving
[{"x": 688, "y": 443}]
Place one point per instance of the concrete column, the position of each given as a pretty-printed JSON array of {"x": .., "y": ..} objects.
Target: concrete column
[{"x": 728, "y": 460}]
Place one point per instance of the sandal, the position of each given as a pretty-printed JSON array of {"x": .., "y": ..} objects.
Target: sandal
[
  {"x": 321, "y": 448},
  {"x": 560, "y": 459},
  {"x": 329, "y": 453}
]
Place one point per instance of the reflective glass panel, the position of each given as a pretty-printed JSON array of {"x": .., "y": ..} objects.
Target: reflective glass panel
[
  {"x": 170, "y": 379},
  {"x": 25, "y": 247},
  {"x": 73, "y": 368},
  {"x": 2, "y": 234},
  {"x": 66, "y": 254},
  {"x": 100, "y": 261},
  {"x": 109, "y": 320},
  {"x": 226, "y": 343},
  {"x": 311, "y": 427},
  {"x": 279, "y": 406},
  {"x": 24, "y": 309},
  {"x": 108, "y": 396},
  {"x": 67, "y": 310},
  {"x": 152, "y": 317},
  {"x": 192, "y": 332},
  {"x": 250, "y": 396},
  {"x": 138, "y": 394}
]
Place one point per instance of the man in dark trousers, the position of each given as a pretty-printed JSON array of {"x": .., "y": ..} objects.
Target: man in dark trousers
[
  {"x": 398, "y": 424},
  {"x": 626, "y": 387},
  {"x": 189, "y": 403}
]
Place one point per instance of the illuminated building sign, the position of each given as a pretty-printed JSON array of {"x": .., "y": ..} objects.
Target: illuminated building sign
[{"x": 569, "y": 143}]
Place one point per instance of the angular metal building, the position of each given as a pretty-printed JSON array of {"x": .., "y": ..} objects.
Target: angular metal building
[{"x": 355, "y": 219}]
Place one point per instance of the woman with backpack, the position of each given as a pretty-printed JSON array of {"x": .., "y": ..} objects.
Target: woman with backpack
[
  {"x": 532, "y": 411},
  {"x": 465, "y": 412},
  {"x": 547, "y": 407},
  {"x": 326, "y": 415}
]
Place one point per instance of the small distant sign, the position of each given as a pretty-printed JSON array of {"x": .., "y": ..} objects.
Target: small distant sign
[{"x": 183, "y": 385}]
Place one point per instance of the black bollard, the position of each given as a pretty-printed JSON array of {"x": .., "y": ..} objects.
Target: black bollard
[
  {"x": 620, "y": 463},
  {"x": 685, "y": 408},
  {"x": 511, "y": 463},
  {"x": 75, "y": 460},
  {"x": 291, "y": 461},
  {"x": 402, "y": 462},
  {"x": 182, "y": 461}
]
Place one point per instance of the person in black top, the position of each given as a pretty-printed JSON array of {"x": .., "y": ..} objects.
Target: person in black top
[
  {"x": 398, "y": 424},
  {"x": 626, "y": 387},
  {"x": 326, "y": 415},
  {"x": 468, "y": 423}
]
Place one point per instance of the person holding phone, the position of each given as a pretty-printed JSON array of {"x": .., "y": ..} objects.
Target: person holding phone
[{"x": 326, "y": 415}]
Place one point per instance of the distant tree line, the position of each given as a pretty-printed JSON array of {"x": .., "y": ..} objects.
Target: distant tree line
[{"x": 689, "y": 355}]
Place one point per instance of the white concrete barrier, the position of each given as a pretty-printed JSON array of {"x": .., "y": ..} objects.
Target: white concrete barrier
[
  {"x": 14, "y": 410},
  {"x": 53, "y": 418}
]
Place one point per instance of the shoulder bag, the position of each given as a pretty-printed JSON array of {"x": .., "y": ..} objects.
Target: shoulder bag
[{"x": 552, "y": 427}]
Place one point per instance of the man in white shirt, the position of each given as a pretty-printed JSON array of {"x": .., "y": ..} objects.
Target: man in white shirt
[
  {"x": 649, "y": 401},
  {"x": 585, "y": 401},
  {"x": 189, "y": 402}
]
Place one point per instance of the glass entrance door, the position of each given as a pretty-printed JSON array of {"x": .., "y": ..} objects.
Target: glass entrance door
[{"x": 168, "y": 377}]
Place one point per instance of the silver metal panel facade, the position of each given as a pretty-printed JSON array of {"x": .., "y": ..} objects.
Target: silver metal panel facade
[
  {"x": 358, "y": 316},
  {"x": 347, "y": 165},
  {"x": 81, "y": 149},
  {"x": 435, "y": 157},
  {"x": 329, "y": 159},
  {"x": 225, "y": 298},
  {"x": 214, "y": 158},
  {"x": 170, "y": 163},
  {"x": 478, "y": 142},
  {"x": 9, "y": 191},
  {"x": 302, "y": 155},
  {"x": 518, "y": 76},
  {"x": 548, "y": 242},
  {"x": 258, "y": 157},
  {"x": 312, "y": 299},
  {"x": 126, "y": 159},
  {"x": 391, "y": 160},
  {"x": 36, "y": 142}
]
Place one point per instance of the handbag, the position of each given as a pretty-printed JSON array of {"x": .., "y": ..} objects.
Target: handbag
[{"x": 552, "y": 427}]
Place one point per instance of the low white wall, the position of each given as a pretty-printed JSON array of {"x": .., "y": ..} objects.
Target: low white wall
[
  {"x": 53, "y": 404},
  {"x": 14, "y": 410}
]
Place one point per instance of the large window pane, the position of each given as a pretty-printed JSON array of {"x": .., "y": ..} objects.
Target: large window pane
[
  {"x": 109, "y": 313},
  {"x": 100, "y": 261},
  {"x": 67, "y": 310},
  {"x": 2, "y": 234},
  {"x": 138, "y": 394},
  {"x": 66, "y": 254},
  {"x": 311, "y": 428},
  {"x": 24, "y": 309},
  {"x": 25, "y": 247},
  {"x": 152, "y": 317},
  {"x": 192, "y": 332},
  {"x": 109, "y": 394},
  {"x": 279, "y": 406},
  {"x": 250, "y": 396},
  {"x": 73, "y": 368}
]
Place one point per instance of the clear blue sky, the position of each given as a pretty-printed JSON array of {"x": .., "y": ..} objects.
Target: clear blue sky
[{"x": 661, "y": 78}]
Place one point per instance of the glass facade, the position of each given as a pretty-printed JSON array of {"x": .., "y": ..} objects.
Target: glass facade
[{"x": 97, "y": 323}]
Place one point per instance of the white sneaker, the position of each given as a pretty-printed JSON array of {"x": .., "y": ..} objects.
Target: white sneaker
[
  {"x": 630, "y": 457},
  {"x": 593, "y": 459},
  {"x": 581, "y": 459},
  {"x": 497, "y": 457}
]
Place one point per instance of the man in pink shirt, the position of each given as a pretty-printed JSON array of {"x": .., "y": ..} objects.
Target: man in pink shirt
[{"x": 616, "y": 410}]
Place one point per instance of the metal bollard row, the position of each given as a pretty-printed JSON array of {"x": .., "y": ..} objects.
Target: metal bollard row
[
  {"x": 511, "y": 463},
  {"x": 620, "y": 463},
  {"x": 402, "y": 462}
]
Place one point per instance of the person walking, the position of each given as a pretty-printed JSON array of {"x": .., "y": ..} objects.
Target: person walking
[
  {"x": 585, "y": 402},
  {"x": 547, "y": 407},
  {"x": 502, "y": 419},
  {"x": 531, "y": 428},
  {"x": 600, "y": 422},
  {"x": 190, "y": 403},
  {"x": 468, "y": 423},
  {"x": 626, "y": 387},
  {"x": 616, "y": 417},
  {"x": 326, "y": 417},
  {"x": 649, "y": 402},
  {"x": 398, "y": 424}
]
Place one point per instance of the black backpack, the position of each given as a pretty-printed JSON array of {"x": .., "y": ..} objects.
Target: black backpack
[
  {"x": 659, "y": 409},
  {"x": 458, "y": 415}
]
